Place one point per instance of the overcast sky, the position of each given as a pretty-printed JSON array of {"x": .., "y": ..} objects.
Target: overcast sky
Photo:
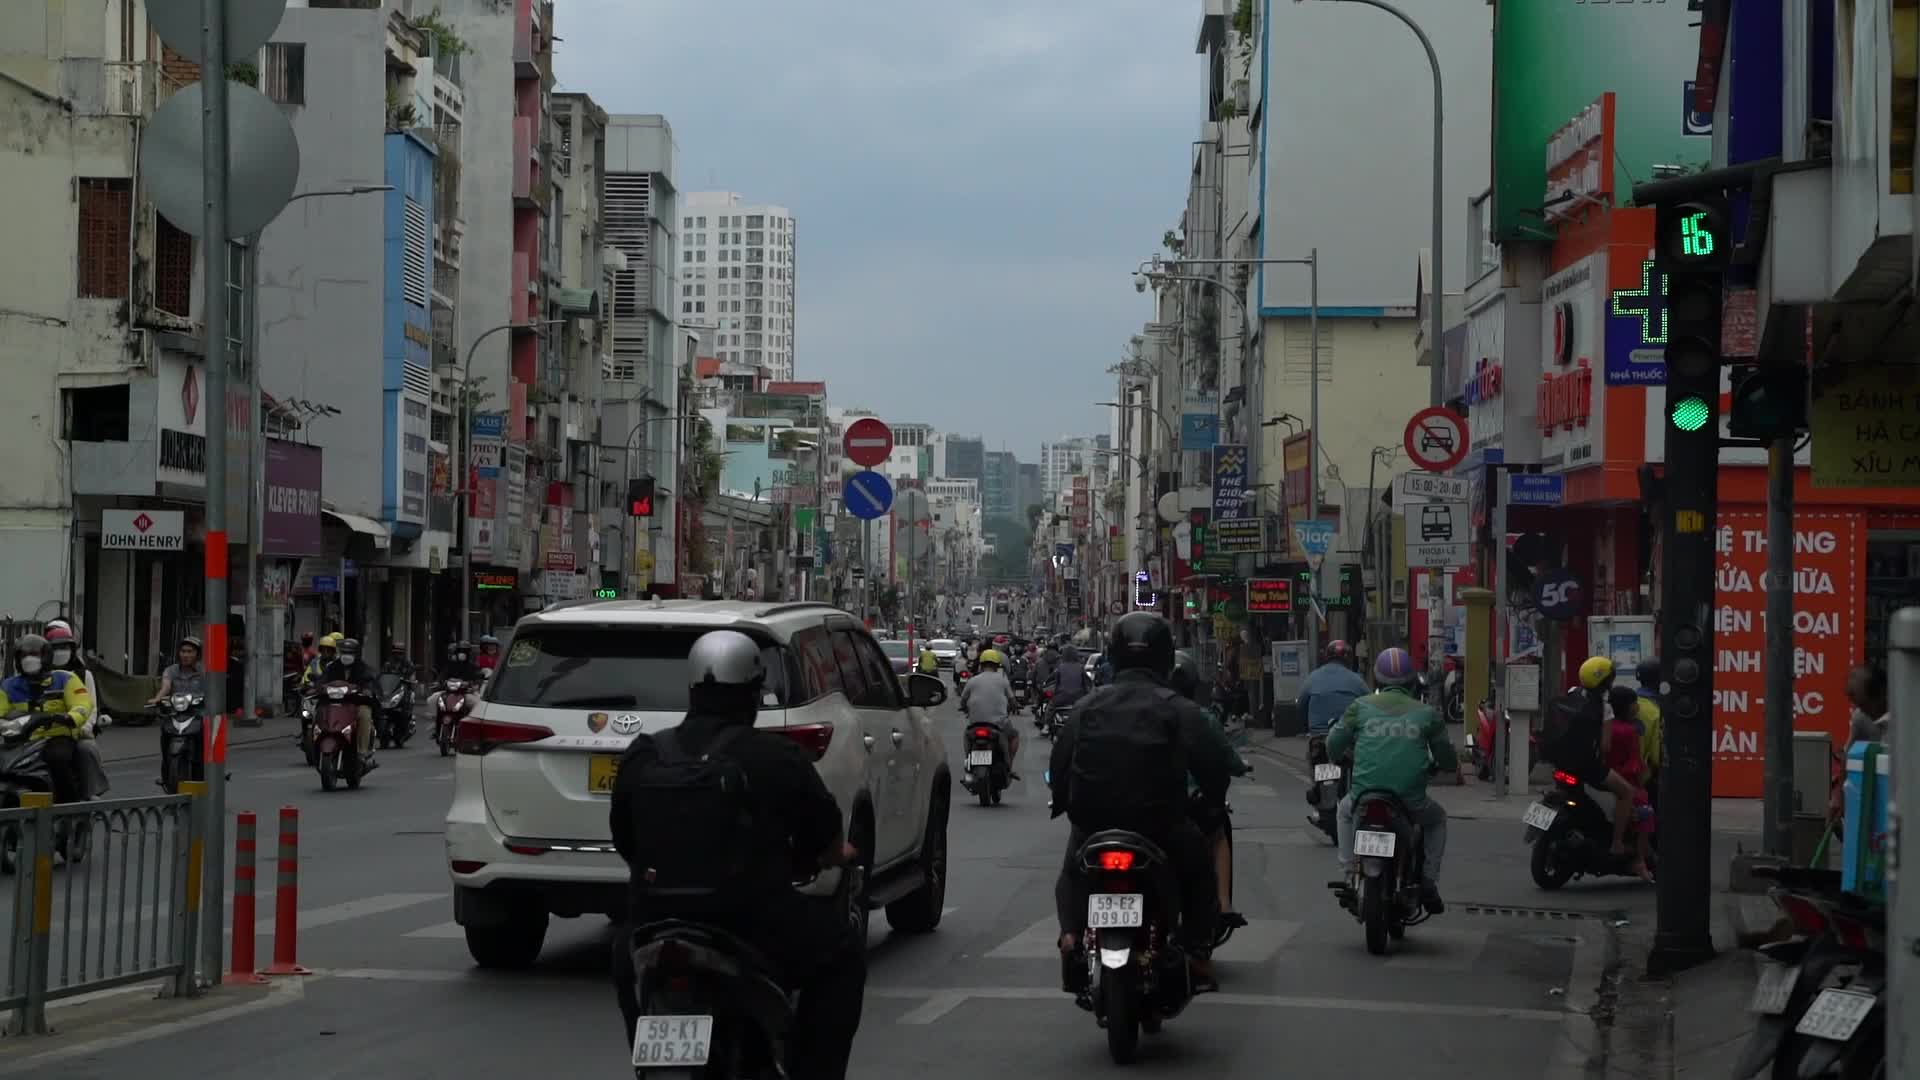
[{"x": 974, "y": 181}]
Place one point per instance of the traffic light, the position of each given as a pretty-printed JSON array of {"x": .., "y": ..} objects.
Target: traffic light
[
  {"x": 640, "y": 497},
  {"x": 1768, "y": 402}
]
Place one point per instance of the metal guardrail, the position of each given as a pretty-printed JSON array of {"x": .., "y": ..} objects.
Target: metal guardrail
[{"x": 105, "y": 894}]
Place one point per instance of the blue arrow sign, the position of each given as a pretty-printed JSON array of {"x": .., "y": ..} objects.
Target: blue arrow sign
[{"x": 867, "y": 494}]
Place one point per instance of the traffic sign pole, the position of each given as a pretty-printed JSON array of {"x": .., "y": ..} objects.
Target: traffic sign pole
[{"x": 1436, "y": 440}]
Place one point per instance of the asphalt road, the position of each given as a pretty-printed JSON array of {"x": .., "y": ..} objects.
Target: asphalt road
[{"x": 1492, "y": 989}]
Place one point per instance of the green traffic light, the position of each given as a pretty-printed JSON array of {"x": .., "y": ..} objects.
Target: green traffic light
[{"x": 1690, "y": 414}]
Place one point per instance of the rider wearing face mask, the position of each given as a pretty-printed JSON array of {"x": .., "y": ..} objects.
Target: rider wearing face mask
[
  {"x": 64, "y": 655},
  {"x": 348, "y": 667},
  {"x": 63, "y": 698}
]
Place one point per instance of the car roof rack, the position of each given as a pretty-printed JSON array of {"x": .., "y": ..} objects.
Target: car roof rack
[{"x": 796, "y": 605}]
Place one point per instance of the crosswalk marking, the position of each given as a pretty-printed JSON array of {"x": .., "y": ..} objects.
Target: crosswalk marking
[
  {"x": 1255, "y": 943},
  {"x": 363, "y": 907},
  {"x": 443, "y": 931}
]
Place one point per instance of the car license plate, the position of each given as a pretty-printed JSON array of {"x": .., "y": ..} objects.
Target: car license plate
[
  {"x": 1540, "y": 817},
  {"x": 1373, "y": 844},
  {"x": 1770, "y": 994},
  {"x": 601, "y": 770},
  {"x": 663, "y": 1041},
  {"x": 979, "y": 757},
  {"x": 1835, "y": 1014},
  {"x": 1115, "y": 909}
]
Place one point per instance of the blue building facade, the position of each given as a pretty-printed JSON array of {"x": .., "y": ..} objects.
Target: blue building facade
[{"x": 407, "y": 334}]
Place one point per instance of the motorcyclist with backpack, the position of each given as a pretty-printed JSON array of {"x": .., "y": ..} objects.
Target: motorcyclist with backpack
[
  {"x": 1395, "y": 738},
  {"x": 987, "y": 698},
  {"x": 715, "y": 820},
  {"x": 1572, "y": 742},
  {"x": 1123, "y": 762}
]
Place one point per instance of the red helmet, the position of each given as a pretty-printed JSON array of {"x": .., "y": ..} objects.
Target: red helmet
[{"x": 58, "y": 634}]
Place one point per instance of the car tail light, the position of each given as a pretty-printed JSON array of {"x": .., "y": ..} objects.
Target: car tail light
[
  {"x": 813, "y": 738},
  {"x": 467, "y": 866},
  {"x": 1807, "y": 917},
  {"x": 1116, "y": 860},
  {"x": 1566, "y": 778},
  {"x": 482, "y": 736},
  {"x": 983, "y": 733},
  {"x": 1377, "y": 814},
  {"x": 526, "y": 849}
]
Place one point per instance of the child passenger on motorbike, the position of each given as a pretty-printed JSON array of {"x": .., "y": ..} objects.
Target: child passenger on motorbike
[
  {"x": 1212, "y": 819},
  {"x": 1620, "y": 746}
]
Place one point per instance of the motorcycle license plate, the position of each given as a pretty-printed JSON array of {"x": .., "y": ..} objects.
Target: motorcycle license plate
[
  {"x": 601, "y": 771},
  {"x": 1835, "y": 1014},
  {"x": 979, "y": 757},
  {"x": 1770, "y": 994},
  {"x": 1115, "y": 909},
  {"x": 1325, "y": 772},
  {"x": 1373, "y": 844},
  {"x": 661, "y": 1042},
  {"x": 1540, "y": 817}
]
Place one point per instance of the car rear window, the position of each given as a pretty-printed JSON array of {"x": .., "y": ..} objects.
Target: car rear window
[
  {"x": 610, "y": 667},
  {"x": 895, "y": 649},
  {"x": 944, "y": 645}
]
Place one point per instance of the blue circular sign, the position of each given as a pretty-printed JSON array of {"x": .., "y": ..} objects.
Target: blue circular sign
[
  {"x": 867, "y": 494},
  {"x": 1558, "y": 595}
]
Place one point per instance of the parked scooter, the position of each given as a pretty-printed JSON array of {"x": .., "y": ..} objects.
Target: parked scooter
[
  {"x": 183, "y": 753},
  {"x": 393, "y": 718},
  {"x": 1821, "y": 998},
  {"x": 1572, "y": 836},
  {"x": 1480, "y": 743},
  {"x": 1330, "y": 782},
  {"x": 1453, "y": 693},
  {"x": 334, "y": 747},
  {"x": 1383, "y": 891},
  {"x": 451, "y": 703}
]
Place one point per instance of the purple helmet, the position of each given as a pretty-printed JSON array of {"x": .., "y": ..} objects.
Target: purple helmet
[{"x": 1393, "y": 667}]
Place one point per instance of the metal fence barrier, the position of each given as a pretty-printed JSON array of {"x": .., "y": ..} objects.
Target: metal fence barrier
[{"x": 105, "y": 894}]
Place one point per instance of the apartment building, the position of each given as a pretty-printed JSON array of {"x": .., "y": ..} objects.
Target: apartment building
[{"x": 737, "y": 264}]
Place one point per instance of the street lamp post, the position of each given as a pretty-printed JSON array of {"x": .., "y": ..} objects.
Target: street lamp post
[{"x": 463, "y": 446}]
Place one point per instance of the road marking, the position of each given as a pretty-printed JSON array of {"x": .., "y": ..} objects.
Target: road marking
[
  {"x": 1254, "y": 943},
  {"x": 935, "y": 1007},
  {"x": 445, "y": 930},
  {"x": 1439, "y": 949},
  {"x": 284, "y": 992},
  {"x": 364, "y": 907},
  {"x": 395, "y": 975},
  {"x": 1041, "y": 941},
  {"x": 933, "y": 997}
]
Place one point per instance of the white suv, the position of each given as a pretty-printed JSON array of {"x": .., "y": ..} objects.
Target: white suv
[{"x": 527, "y": 835}]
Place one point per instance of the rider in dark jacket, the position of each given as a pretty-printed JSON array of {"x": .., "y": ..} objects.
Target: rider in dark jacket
[{"x": 1143, "y": 657}]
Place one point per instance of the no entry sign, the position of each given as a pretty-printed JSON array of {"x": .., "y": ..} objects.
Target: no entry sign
[{"x": 868, "y": 442}]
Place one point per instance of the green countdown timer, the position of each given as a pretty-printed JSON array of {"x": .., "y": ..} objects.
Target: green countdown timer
[
  {"x": 1697, "y": 233},
  {"x": 606, "y": 594},
  {"x": 1690, "y": 414}
]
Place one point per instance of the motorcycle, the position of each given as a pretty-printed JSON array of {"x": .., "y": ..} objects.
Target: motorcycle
[
  {"x": 451, "y": 703},
  {"x": 183, "y": 750},
  {"x": 1453, "y": 693},
  {"x": 290, "y": 694},
  {"x": 1021, "y": 696},
  {"x": 1572, "y": 836},
  {"x": 1480, "y": 742},
  {"x": 1383, "y": 890},
  {"x": 393, "y": 718},
  {"x": 1820, "y": 1001},
  {"x": 334, "y": 752},
  {"x": 1137, "y": 976},
  {"x": 988, "y": 770},
  {"x": 1329, "y": 787},
  {"x": 23, "y": 769},
  {"x": 1057, "y": 717}
]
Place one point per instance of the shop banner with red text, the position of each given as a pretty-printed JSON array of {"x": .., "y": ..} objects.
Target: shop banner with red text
[{"x": 1829, "y": 550}]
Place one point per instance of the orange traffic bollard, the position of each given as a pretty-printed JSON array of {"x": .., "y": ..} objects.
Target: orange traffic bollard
[
  {"x": 240, "y": 970},
  {"x": 286, "y": 898}
]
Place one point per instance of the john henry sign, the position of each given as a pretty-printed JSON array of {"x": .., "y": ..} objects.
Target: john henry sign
[{"x": 143, "y": 530}]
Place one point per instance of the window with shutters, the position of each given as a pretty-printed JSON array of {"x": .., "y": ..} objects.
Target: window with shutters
[
  {"x": 172, "y": 268},
  {"x": 285, "y": 79},
  {"x": 416, "y": 255},
  {"x": 106, "y": 237}
]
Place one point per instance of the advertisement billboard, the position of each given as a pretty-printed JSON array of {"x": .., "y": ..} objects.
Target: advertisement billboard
[
  {"x": 1552, "y": 61},
  {"x": 291, "y": 517}
]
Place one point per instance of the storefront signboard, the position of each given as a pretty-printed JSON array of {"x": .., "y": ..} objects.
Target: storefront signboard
[
  {"x": 1866, "y": 428},
  {"x": 1636, "y": 330},
  {"x": 1568, "y": 403},
  {"x": 1828, "y": 598}
]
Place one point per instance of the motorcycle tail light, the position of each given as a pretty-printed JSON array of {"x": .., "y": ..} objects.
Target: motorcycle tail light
[
  {"x": 482, "y": 736},
  {"x": 1852, "y": 933},
  {"x": 1116, "y": 860},
  {"x": 1807, "y": 917},
  {"x": 983, "y": 733},
  {"x": 1377, "y": 814},
  {"x": 813, "y": 738},
  {"x": 1566, "y": 779}
]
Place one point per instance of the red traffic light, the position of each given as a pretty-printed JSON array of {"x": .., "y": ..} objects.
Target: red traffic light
[{"x": 640, "y": 497}]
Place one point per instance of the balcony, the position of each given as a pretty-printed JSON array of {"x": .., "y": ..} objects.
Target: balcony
[
  {"x": 526, "y": 62},
  {"x": 523, "y": 161},
  {"x": 128, "y": 89}
]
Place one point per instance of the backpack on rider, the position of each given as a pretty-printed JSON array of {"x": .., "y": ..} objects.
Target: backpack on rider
[
  {"x": 1120, "y": 760},
  {"x": 701, "y": 850}
]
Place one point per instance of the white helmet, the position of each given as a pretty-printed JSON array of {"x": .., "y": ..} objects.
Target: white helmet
[{"x": 725, "y": 658}]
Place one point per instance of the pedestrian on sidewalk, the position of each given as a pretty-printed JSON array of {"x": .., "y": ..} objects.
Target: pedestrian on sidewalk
[{"x": 1330, "y": 688}]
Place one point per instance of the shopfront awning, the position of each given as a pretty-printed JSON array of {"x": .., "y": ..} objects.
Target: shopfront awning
[
  {"x": 365, "y": 526},
  {"x": 580, "y": 303}
]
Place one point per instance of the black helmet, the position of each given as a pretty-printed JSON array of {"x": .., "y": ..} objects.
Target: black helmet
[
  {"x": 1142, "y": 640},
  {"x": 1185, "y": 678},
  {"x": 1650, "y": 674},
  {"x": 1622, "y": 698},
  {"x": 350, "y": 645}
]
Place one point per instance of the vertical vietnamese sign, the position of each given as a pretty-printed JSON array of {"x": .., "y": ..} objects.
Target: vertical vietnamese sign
[
  {"x": 1828, "y": 598},
  {"x": 1230, "y": 481},
  {"x": 1296, "y": 456},
  {"x": 1199, "y": 420}
]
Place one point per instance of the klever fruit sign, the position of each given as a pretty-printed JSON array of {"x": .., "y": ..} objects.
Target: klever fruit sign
[{"x": 1828, "y": 599}]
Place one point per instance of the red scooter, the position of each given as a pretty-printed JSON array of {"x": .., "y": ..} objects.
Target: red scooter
[
  {"x": 450, "y": 705},
  {"x": 336, "y": 718},
  {"x": 1480, "y": 743}
]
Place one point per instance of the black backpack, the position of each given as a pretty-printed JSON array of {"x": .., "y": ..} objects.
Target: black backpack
[
  {"x": 1565, "y": 719},
  {"x": 1119, "y": 776},
  {"x": 698, "y": 841}
]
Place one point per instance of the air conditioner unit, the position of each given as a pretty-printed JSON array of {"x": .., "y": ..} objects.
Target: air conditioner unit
[{"x": 1242, "y": 97}]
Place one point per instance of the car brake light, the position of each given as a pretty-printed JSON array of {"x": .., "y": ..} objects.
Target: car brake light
[
  {"x": 467, "y": 866},
  {"x": 983, "y": 733},
  {"x": 813, "y": 738},
  {"x": 1806, "y": 916},
  {"x": 1566, "y": 778},
  {"x": 1116, "y": 860},
  {"x": 481, "y": 736},
  {"x": 526, "y": 849}
]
